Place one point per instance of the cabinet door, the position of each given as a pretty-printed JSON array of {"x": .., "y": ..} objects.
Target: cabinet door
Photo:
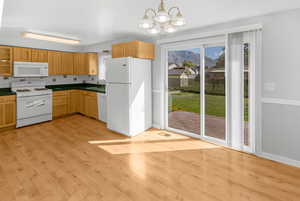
[
  {"x": 67, "y": 63},
  {"x": 118, "y": 50},
  {"x": 145, "y": 50},
  {"x": 39, "y": 55},
  {"x": 76, "y": 63},
  {"x": 91, "y": 105},
  {"x": 22, "y": 54},
  {"x": 92, "y": 66},
  {"x": 136, "y": 49},
  {"x": 7, "y": 111},
  {"x": 10, "y": 113},
  {"x": 83, "y": 63},
  {"x": 54, "y": 63},
  {"x": 82, "y": 102},
  {"x": 5, "y": 61},
  {"x": 130, "y": 49},
  {"x": 80, "y": 64},
  {"x": 60, "y": 106},
  {"x": 2, "y": 115},
  {"x": 74, "y": 101}
]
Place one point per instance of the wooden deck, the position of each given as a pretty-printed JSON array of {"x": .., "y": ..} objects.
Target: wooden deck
[{"x": 77, "y": 159}]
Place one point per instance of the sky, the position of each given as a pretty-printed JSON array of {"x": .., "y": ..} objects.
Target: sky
[{"x": 211, "y": 52}]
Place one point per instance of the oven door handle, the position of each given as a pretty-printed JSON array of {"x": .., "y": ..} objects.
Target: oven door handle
[
  {"x": 35, "y": 103},
  {"x": 40, "y": 103}
]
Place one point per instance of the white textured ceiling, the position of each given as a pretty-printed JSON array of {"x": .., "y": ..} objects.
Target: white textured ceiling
[{"x": 93, "y": 21}]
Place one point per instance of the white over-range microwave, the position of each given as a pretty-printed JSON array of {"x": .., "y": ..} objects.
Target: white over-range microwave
[{"x": 30, "y": 69}]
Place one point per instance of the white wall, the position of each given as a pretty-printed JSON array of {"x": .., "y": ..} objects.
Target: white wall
[{"x": 279, "y": 80}]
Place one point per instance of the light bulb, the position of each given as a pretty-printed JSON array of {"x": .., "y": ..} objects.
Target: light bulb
[
  {"x": 146, "y": 23},
  {"x": 162, "y": 17},
  {"x": 169, "y": 28},
  {"x": 178, "y": 20},
  {"x": 154, "y": 30}
]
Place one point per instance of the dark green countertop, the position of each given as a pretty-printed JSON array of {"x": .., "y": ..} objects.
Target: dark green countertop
[
  {"x": 6, "y": 92},
  {"x": 88, "y": 87}
]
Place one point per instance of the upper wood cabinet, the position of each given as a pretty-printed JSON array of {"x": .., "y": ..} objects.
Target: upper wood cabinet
[
  {"x": 92, "y": 63},
  {"x": 6, "y": 61},
  {"x": 39, "y": 55},
  {"x": 54, "y": 63},
  {"x": 22, "y": 54},
  {"x": 67, "y": 63},
  {"x": 7, "y": 111},
  {"x": 59, "y": 63},
  {"x": 80, "y": 64},
  {"x": 136, "y": 49}
]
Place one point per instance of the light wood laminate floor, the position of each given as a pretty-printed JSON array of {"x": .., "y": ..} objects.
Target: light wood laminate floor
[{"x": 77, "y": 159}]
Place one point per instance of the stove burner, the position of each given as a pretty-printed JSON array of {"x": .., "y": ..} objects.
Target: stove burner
[
  {"x": 23, "y": 90},
  {"x": 40, "y": 89}
]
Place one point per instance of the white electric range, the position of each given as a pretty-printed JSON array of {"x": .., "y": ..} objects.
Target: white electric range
[{"x": 34, "y": 102}]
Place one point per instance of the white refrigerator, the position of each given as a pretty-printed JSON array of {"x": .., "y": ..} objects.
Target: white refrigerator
[{"x": 129, "y": 98}]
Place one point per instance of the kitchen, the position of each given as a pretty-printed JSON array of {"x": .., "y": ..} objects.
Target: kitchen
[{"x": 30, "y": 100}]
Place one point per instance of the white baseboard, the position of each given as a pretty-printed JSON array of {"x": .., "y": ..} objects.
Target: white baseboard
[
  {"x": 280, "y": 159},
  {"x": 156, "y": 126}
]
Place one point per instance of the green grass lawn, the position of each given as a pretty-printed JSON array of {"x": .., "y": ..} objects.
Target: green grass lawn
[{"x": 190, "y": 102}]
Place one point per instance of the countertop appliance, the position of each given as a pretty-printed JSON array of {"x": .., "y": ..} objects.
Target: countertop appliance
[
  {"x": 34, "y": 102},
  {"x": 30, "y": 69},
  {"x": 129, "y": 98}
]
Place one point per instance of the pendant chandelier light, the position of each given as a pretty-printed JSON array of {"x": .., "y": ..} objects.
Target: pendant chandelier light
[{"x": 159, "y": 21}]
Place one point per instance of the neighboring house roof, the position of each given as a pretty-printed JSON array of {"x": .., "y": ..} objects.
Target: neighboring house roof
[
  {"x": 176, "y": 71},
  {"x": 172, "y": 66}
]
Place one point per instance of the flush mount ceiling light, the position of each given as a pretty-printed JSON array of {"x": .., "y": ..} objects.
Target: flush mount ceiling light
[
  {"x": 50, "y": 38},
  {"x": 162, "y": 20}
]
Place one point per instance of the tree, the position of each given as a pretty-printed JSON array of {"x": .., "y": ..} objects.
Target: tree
[
  {"x": 221, "y": 61},
  {"x": 188, "y": 64}
]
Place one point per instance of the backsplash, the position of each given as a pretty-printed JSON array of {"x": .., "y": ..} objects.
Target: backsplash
[
  {"x": 5, "y": 82},
  {"x": 93, "y": 79}
]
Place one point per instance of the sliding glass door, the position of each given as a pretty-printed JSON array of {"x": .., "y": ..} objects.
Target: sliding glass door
[
  {"x": 184, "y": 90},
  {"x": 215, "y": 92},
  {"x": 209, "y": 96},
  {"x": 196, "y": 95}
]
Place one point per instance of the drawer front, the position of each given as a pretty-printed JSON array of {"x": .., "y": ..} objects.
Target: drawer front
[
  {"x": 91, "y": 93},
  {"x": 60, "y": 100},
  {"x": 4, "y": 99},
  {"x": 60, "y": 93}
]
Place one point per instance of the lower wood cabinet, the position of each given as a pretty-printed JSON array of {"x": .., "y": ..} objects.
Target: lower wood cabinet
[
  {"x": 75, "y": 101},
  {"x": 90, "y": 104},
  {"x": 7, "y": 111},
  {"x": 59, "y": 103}
]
